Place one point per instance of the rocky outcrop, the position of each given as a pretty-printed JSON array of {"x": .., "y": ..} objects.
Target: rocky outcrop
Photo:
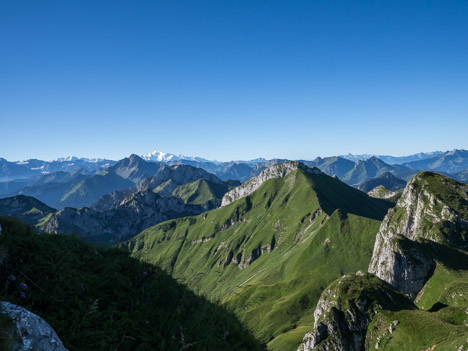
[
  {"x": 433, "y": 208},
  {"x": 278, "y": 170},
  {"x": 135, "y": 213},
  {"x": 381, "y": 192},
  {"x": 345, "y": 310},
  {"x": 30, "y": 332}
]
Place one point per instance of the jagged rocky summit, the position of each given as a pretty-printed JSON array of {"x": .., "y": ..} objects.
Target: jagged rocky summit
[{"x": 278, "y": 170}]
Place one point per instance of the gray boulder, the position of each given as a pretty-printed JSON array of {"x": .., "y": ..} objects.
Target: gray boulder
[{"x": 29, "y": 331}]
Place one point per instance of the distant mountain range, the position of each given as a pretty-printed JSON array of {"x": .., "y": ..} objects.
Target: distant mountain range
[
  {"x": 393, "y": 159},
  {"x": 30, "y": 168},
  {"x": 75, "y": 182},
  {"x": 304, "y": 260},
  {"x": 120, "y": 199}
]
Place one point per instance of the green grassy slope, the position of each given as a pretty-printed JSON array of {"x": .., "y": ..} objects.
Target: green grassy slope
[
  {"x": 269, "y": 255},
  {"x": 99, "y": 299},
  {"x": 201, "y": 192}
]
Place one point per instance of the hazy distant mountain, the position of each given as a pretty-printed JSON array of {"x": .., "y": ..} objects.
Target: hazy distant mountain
[
  {"x": 31, "y": 168},
  {"x": 240, "y": 171},
  {"x": 80, "y": 189},
  {"x": 12, "y": 187},
  {"x": 462, "y": 176},
  {"x": 332, "y": 165},
  {"x": 13, "y": 170},
  {"x": 451, "y": 162},
  {"x": 67, "y": 164},
  {"x": 25, "y": 208},
  {"x": 373, "y": 168},
  {"x": 393, "y": 159},
  {"x": 387, "y": 179}
]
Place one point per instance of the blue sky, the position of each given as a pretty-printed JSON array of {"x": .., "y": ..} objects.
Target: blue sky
[{"x": 232, "y": 79}]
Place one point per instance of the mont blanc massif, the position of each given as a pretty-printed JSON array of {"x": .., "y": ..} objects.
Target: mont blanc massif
[{"x": 167, "y": 252}]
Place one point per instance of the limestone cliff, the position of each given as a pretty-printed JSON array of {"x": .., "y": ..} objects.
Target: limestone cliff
[{"x": 432, "y": 210}]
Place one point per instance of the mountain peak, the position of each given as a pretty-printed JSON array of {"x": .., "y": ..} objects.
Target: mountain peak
[
  {"x": 135, "y": 158},
  {"x": 160, "y": 156},
  {"x": 277, "y": 170}
]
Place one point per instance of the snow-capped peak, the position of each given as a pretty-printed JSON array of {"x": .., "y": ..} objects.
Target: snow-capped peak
[{"x": 160, "y": 156}]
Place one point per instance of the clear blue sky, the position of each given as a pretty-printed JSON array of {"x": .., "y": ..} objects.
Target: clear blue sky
[{"x": 232, "y": 79}]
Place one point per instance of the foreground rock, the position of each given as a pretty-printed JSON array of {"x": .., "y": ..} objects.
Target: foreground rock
[
  {"x": 433, "y": 211},
  {"x": 29, "y": 331},
  {"x": 345, "y": 310}
]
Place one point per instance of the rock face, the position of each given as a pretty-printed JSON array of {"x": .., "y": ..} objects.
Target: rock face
[
  {"x": 31, "y": 332},
  {"x": 135, "y": 213},
  {"x": 433, "y": 209},
  {"x": 278, "y": 170},
  {"x": 345, "y": 310}
]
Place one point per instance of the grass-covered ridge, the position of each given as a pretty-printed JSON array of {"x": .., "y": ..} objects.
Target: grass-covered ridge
[
  {"x": 201, "y": 192},
  {"x": 269, "y": 255},
  {"x": 101, "y": 299}
]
